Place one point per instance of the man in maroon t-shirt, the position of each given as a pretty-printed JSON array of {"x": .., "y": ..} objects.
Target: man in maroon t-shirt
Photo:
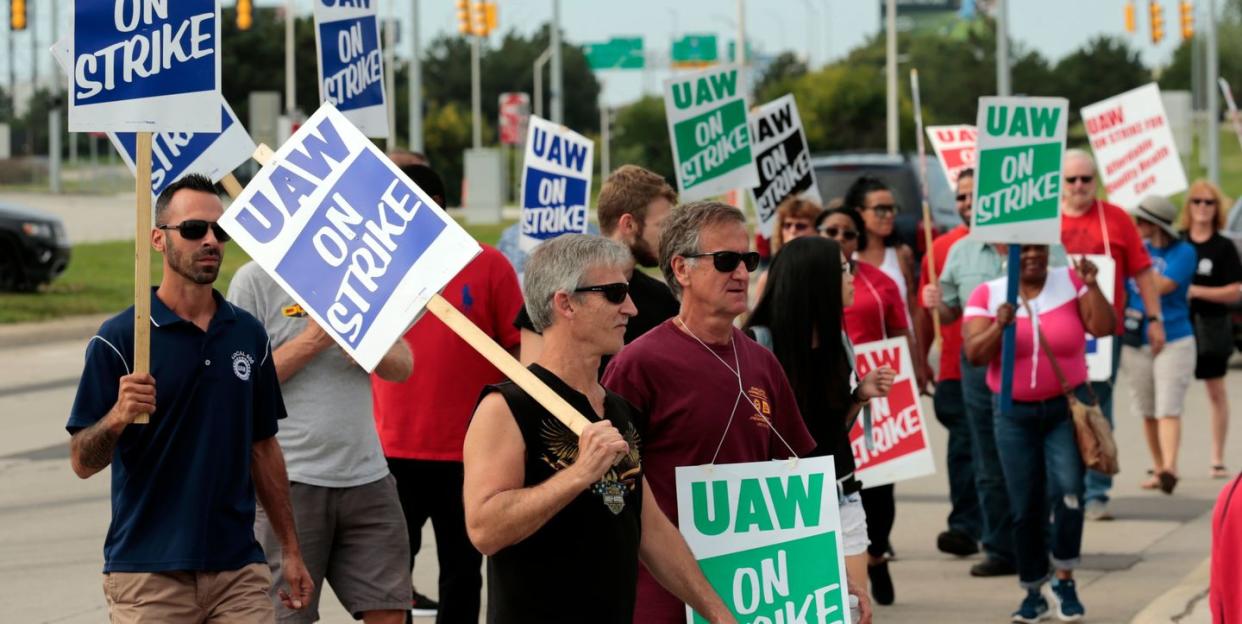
[{"x": 709, "y": 394}]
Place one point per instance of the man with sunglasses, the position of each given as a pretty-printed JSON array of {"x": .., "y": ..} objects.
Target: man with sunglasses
[
  {"x": 181, "y": 544},
  {"x": 708, "y": 393},
  {"x": 349, "y": 519},
  {"x": 1093, "y": 226}
]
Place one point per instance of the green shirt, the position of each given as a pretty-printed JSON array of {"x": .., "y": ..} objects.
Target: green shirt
[{"x": 971, "y": 263}]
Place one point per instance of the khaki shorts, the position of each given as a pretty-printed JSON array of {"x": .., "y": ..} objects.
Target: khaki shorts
[
  {"x": 1158, "y": 384},
  {"x": 354, "y": 538},
  {"x": 854, "y": 540},
  {"x": 225, "y": 597}
]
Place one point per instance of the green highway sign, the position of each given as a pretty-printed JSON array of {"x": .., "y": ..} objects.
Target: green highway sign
[
  {"x": 695, "y": 51},
  {"x": 616, "y": 53}
]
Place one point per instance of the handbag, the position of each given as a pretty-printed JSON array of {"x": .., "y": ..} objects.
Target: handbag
[
  {"x": 1091, "y": 430},
  {"x": 1214, "y": 336}
]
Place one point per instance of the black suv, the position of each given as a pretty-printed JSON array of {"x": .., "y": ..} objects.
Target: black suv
[{"x": 34, "y": 249}]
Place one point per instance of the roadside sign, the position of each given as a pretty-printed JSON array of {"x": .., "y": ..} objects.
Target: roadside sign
[
  {"x": 955, "y": 149},
  {"x": 616, "y": 53},
  {"x": 514, "y": 116},
  {"x": 695, "y": 51},
  {"x": 351, "y": 63},
  {"x": 707, "y": 125},
  {"x": 556, "y": 183},
  {"x": 1021, "y": 142},
  {"x": 901, "y": 446},
  {"x": 782, "y": 159},
  {"x": 767, "y": 536},
  {"x": 348, "y": 235},
  {"x": 1134, "y": 147}
]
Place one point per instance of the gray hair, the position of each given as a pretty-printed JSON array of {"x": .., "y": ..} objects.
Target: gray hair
[
  {"x": 558, "y": 266},
  {"x": 681, "y": 233},
  {"x": 1078, "y": 153}
]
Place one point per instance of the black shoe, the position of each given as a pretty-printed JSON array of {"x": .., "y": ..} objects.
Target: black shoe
[
  {"x": 423, "y": 606},
  {"x": 881, "y": 583},
  {"x": 992, "y": 567},
  {"x": 956, "y": 543}
]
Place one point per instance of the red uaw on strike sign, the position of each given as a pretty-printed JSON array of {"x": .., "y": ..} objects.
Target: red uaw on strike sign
[
  {"x": 1134, "y": 147},
  {"x": 901, "y": 448},
  {"x": 955, "y": 149},
  {"x": 514, "y": 115}
]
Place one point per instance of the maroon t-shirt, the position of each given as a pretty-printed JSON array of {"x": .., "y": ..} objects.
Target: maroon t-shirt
[{"x": 685, "y": 395}]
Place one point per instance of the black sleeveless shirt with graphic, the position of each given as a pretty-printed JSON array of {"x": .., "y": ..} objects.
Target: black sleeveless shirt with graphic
[{"x": 582, "y": 565}]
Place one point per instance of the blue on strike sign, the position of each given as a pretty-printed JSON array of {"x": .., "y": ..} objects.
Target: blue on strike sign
[
  {"x": 556, "y": 183},
  {"x": 351, "y": 62},
  {"x": 348, "y": 235},
  {"x": 144, "y": 65}
]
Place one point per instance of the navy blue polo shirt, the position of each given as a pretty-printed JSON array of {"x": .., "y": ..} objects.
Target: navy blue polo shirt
[{"x": 182, "y": 496}]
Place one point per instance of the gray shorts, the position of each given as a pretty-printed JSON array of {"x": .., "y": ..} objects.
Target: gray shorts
[{"x": 355, "y": 538}]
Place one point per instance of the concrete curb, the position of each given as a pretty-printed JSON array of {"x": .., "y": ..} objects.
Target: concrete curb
[
  {"x": 59, "y": 330},
  {"x": 1188, "y": 597}
]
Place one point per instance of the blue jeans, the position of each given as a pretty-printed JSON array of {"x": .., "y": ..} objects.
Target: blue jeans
[
  {"x": 1044, "y": 472},
  {"x": 997, "y": 534},
  {"x": 1098, "y": 484},
  {"x": 965, "y": 516}
]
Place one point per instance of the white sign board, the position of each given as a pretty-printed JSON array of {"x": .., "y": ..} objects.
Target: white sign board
[
  {"x": 1100, "y": 350},
  {"x": 767, "y": 536},
  {"x": 1134, "y": 147},
  {"x": 348, "y": 235},
  {"x": 955, "y": 149},
  {"x": 783, "y": 159},
  {"x": 556, "y": 183},
  {"x": 351, "y": 63},
  {"x": 144, "y": 66}
]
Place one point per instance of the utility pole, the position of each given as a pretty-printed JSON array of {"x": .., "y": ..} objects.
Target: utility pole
[
  {"x": 476, "y": 98},
  {"x": 416, "y": 82},
  {"x": 53, "y": 116},
  {"x": 540, "y": 61},
  {"x": 1213, "y": 96},
  {"x": 1002, "y": 48},
  {"x": 890, "y": 71},
  {"x": 291, "y": 97},
  {"x": 390, "y": 80},
  {"x": 558, "y": 82}
]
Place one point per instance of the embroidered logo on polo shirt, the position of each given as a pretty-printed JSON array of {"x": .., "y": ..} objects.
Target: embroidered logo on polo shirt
[{"x": 242, "y": 362}]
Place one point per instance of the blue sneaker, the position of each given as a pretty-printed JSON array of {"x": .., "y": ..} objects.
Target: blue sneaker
[
  {"x": 1033, "y": 609},
  {"x": 1065, "y": 600}
]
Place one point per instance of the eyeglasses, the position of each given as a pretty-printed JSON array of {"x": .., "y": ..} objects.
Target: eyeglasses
[
  {"x": 963, "y": 197},
  {"x": 1200, "y": 201},
  {"x": 849, "y": 267},
  {"x": 1086, "y": 179},
  {"x": 615, "y": 293},
  {"x": 842, "y": 233},
  {"x": 727, "y": 261},
  {"x": 195, "y": 229},
  {"x": 797, "y": 226},
  {"x": 883, "y": 210}
]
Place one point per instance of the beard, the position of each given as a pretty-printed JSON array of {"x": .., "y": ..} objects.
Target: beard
[
  {"x": 643, "y": 254},
  {"x": 186, "y": 265}
]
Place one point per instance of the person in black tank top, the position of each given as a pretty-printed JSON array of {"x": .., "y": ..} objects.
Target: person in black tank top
[{"x": 565, "y": 519}]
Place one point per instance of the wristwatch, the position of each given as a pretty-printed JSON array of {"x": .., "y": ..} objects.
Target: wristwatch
[
  {"x": 1154, "y": 318},
  {"x": 857, "y": 398}
]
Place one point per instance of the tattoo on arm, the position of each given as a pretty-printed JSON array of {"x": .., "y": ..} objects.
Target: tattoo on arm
[{"x": 95, "y": 445}]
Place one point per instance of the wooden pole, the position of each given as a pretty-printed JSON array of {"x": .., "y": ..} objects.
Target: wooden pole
[
  {"x": 142, "y": 262},
  {"x": 231, "y": 185},
  {"x": 927, "y": 219}
]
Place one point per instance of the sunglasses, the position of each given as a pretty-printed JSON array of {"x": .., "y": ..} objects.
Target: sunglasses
[
  {"x": 614, "y": 293},
  {"x": 836, "y": 232},
  {"x": 1076, "y": 179},
  {"x": 1199, "y": 201},
  {"x": 963, "y": 197},
  {"x": 797, "y": 226},
  {"x": 883, "y": 210},
  {"x": 850, "y": 267},
  {"x": 195, "y": 229},
  {"x": 727, "y": 261}
]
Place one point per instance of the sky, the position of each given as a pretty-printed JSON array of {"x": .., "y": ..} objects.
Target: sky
[{"x": 824, "y": 29}]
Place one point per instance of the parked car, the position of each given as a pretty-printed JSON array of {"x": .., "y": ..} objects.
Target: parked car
[
  {"x": 1233, "y": 231},
  {"x": 34, "y": 249}
]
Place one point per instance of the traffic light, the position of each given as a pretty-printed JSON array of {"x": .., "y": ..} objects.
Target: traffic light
[
  {"x": 245, "y": 14},
  {"x": 1187, "y": 11},
  {"x": 463, "y": 17},
  {"x": 17, "y": 14},
  {"x": 1131, "y": 25},
  {"x": 1157, "y": 20},
  {"x": 489, "y": 16}
]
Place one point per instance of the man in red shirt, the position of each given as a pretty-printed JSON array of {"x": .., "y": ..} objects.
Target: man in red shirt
[
  {"x": 422, "y": 420},
  {"x": 965, "y": 519},
  {"x": 1092, "y": 226},
  {"x": 1224, "y": 597}
]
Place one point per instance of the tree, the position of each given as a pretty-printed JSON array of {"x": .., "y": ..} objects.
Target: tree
[
  {"x": 641, "y": 137},
  {"x": 1101, "y": 68},
  {"x": 778, "y": 78},
  {"x": 843, "y": 108}
]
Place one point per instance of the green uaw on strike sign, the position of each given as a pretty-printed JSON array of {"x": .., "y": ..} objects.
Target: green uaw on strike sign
[
  {"x": 767, "y": 536},
  {"x": 1018, "y": 180},
  {"x": 708, "y": 130}
]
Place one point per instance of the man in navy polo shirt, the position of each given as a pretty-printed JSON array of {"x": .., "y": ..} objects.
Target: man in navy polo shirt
[{"x": 181, "y": 545}]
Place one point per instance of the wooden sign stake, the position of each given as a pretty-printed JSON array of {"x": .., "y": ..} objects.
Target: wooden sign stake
[
  {"x": 927, "y": 219},
  {"x": 142, "y": 262},
  {"x": 231, "y": 185}
]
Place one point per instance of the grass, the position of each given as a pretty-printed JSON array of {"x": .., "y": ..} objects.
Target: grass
[{"x": 100, "y": 279}]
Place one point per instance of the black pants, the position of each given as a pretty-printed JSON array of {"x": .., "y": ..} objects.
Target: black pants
[
  {"x": 432, "y": 489},
  {"x": 881, "y": 510}
]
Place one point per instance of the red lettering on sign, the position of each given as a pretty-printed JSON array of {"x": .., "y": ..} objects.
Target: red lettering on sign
[{"x": 1107, "y": 119}]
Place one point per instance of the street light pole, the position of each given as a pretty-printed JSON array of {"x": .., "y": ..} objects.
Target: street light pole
[
  {"x": 891, "y": 72},
  {"x": 1213, "y": 77},
  {"x": 390, "y": 80},
  {"x": 558, "y": 84},
  {"x": 1002, "y": 48},
  {"x": 291, "y": 97},
  {"x": 416, "y": 82},
  {"x": 540, "y": 61},
  {"x": 476, "y": 98}
]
